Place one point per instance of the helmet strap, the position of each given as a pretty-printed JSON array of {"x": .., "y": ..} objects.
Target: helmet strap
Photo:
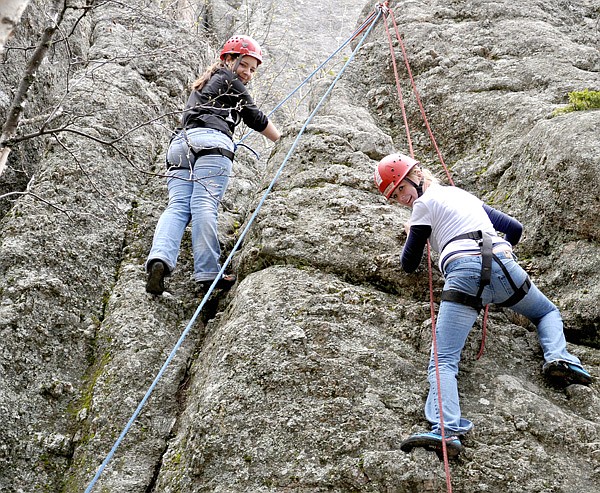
[
  {"x": 418, "y": 188},
  {"x": 238, "y": 58}
]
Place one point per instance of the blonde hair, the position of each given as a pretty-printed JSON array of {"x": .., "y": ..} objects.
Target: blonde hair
[{"x": 427, "y": 175}]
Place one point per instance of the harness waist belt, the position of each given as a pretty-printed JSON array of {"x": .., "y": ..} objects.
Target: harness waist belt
[
  {"x": 207, "y": 151},
  {"x": 212, "y": 151},
  {"x": 475, "y": 302},
  {"x": 484, "y": 241}
]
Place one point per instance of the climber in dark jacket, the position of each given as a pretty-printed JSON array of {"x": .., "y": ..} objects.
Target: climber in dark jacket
[
  {"x": 199, "y": 161},
  {"x": 222, "y": 103},
  {"x": 479, "y": 267}
]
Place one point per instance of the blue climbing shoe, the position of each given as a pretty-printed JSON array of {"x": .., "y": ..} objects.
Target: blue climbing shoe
[
  {"x": 433, "y": 442},
  {"x": 566, "y": 373}
]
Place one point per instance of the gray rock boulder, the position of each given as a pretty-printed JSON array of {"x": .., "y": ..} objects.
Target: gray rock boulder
[{"x": 311, "y": 370}]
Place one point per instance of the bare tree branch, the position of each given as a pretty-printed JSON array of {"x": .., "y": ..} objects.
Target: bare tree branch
[
  {"x": 37, "y": 197},
  {"x": 67, "y": 128}
]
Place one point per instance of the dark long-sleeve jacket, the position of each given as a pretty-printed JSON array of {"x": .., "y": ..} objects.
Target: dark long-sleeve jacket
[{"x": 222, "y": 104}]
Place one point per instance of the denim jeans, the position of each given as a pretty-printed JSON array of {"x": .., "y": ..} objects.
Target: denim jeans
[
  {"x": 194, "y": 196},
  {"x": 455, "y": 321}
]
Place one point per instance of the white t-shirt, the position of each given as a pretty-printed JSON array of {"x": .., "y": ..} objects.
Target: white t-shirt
[{"x": 451, "y": 211}]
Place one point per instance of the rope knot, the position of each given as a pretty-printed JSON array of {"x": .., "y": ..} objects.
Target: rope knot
[{"x": 383, "y": 7}]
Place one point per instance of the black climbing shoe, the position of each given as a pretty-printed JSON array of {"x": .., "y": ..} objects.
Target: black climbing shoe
[
  {"x": 563, "y": 372},
  {"x": 226, "y": 282},
  {"x": 433, "y": 442},
  {"x": 156, "y": 277}
]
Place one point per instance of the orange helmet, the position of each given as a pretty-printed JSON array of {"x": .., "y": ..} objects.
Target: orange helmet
[
  {"x": 242, "y": 45},
  {"x": 391, "y": 170}
]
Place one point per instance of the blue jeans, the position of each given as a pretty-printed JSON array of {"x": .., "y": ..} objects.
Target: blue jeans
[
  {"x": 455, "y": 321},
  {"x": 194, "y": 196}
]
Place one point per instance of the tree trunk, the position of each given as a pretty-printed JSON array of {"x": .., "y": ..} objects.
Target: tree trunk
[
  {"x": 9, "y": 129},
  {"x": 9, "y": 17}
]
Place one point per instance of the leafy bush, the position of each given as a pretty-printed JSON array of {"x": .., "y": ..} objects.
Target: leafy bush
[{"x": 580, "y": 101}]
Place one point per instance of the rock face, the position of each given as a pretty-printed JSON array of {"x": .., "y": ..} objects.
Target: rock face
[{"x": 308, "y": 374}]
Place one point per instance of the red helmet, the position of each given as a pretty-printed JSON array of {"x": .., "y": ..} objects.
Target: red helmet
[
  {"x": 243, "y": 45},
  {"x": 391, "y": 170}
]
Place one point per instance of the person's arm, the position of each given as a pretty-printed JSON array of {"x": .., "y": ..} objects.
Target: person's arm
[
  {"x": 271, "y": 132},
  {"x": 506, "y": 224},
  {"x": 412, "y": 253},
  {"x": 251, "y": 115}
]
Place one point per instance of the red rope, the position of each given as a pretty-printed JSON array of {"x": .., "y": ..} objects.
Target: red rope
[
  {"x": 483, "y": 332},
  {"x": 431, "y": 136},
  {"x": 437, "y": 372},
  {"x": 364, "y": 25},
  {"x": 418, "y": 98},
  {"x": 399, "y": 89},
  {"x": 431, "y": 300}
]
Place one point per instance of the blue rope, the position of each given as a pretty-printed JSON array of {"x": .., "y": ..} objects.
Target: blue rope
[
  {"x": 222, "y": 271},
  {"x": 340, "y": 48}
]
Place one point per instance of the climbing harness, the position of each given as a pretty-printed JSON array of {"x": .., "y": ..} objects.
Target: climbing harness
[
  {"x": 196, "y": 153},
  {"x": 205, "y": 151},
  {"x": 369, "y": 26},
  {"x": 484, "y": 241},
  {"x": 210, "y": 151}
]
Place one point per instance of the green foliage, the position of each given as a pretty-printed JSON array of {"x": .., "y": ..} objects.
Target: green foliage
[{"x": 580, "y": 101}]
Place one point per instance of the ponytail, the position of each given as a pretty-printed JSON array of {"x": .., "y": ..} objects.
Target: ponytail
[{"x": 201, "y": 81}]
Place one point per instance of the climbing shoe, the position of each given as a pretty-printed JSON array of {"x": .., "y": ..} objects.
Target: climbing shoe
[
  {"x": 156, "y": 277},
  {"x": 226, "y": 282},
  {"x": 433, "y": 442},
  {"x": 566, "y": 373}
]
